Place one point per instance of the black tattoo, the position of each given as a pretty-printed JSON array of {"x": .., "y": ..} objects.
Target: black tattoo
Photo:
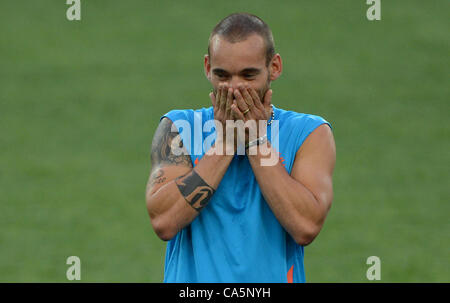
[
  {"x": 195, "y": 190},
  {"x": 157, "y": 177},
  {"x": 167, "y": 147},
  {"x": 162, "y": 154}
]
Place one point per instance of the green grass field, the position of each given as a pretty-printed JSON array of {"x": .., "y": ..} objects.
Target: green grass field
[{"x": 80, "y": 100}]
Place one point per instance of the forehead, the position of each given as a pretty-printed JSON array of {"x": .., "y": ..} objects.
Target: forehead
[{"x": 248, "y": 52}]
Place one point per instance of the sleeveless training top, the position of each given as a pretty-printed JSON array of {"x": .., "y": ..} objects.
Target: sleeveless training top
[{"x": 236, "y": 237}]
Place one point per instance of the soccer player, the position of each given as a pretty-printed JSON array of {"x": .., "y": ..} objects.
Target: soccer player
[{"x": 227, "y": 217}]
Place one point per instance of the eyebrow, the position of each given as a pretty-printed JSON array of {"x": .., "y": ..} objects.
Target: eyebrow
[
  {"x": 219, "y": 71},
  {"x": 249, "y": 70}
]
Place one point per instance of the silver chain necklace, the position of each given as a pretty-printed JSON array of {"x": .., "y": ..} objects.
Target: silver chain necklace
[{"x": 272, "y": 117}]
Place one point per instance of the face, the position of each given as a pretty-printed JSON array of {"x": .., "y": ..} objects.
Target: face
[{"x": 242, "y": 62}]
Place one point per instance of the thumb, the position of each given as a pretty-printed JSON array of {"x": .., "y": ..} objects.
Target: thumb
[{"x": 268, "y": 98}]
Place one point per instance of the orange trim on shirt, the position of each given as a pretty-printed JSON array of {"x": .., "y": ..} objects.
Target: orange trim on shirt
[{"x": 290, "y": 275}]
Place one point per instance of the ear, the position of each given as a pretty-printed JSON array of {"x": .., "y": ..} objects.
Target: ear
[
  {"x": 275, "y": 67},
  {"x": 207, "y": 67}
]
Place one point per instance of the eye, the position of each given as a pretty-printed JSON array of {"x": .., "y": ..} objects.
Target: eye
[{"x": 221, "y": 76}]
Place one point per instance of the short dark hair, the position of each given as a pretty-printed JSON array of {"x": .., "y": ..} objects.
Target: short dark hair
[{"x": 239, "y": 26}]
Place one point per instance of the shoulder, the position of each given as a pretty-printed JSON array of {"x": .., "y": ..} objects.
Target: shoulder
[
  {"x": 168, "y": 145},
  {"x": 188, "y": 114},
  {"x": 317, "y": 137},
  {"x": 300, "y": 118},
  {"x": 300, "y": 126},
  {"x": 302, "y": 122},
  {"x": 177, "y": 114}
]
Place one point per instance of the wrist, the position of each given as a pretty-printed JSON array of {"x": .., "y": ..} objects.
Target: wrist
[
  {"x": 258, "y": 141},
  {"x": 220, "y": 148},
  {"x": 255, "y": 146}
]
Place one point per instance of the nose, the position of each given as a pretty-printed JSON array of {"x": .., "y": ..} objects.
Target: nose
[{"x": 234, "y": 82}]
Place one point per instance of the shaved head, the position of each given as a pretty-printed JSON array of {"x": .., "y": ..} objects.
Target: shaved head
[{"x": 239, "y": 26}]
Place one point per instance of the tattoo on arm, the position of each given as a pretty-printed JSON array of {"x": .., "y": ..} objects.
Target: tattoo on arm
[
  {"x": 156, "y": 177},
  {"x": 162, "y": 152},
  {"x": 165, "y": 141},
  {"x": 195, "y": 190}
]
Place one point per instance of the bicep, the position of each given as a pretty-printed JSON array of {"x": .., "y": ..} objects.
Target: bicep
[
  {"x": 314, "y": 164},
  {"x": 169, "y": 157}
]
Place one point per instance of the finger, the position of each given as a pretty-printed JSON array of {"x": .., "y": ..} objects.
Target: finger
[
  {"x": 218, "y": 93},
  {"x": 229, "y": 101},
  {"x": 223, "y": 97},
  {"x": 213, "y": 99},
  {"x": 237, "y": 113},
  {"x": 256, "y": 99},
  {"x": 232, "y": 112},
  {"x": 268, "y": 98},
  {"x": 230, "y": 95},
  {"x": 247, "y": 97},
  {"x": 240, "y": 101}
]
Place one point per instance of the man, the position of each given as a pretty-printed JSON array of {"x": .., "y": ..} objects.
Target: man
[{"x": 228, "y": 217}]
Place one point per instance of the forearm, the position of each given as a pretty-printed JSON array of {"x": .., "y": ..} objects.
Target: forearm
[
  {"x": 178, "y": 202},
  {"x": 295, "y": 207}
]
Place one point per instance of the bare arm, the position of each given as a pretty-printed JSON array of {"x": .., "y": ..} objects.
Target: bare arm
[
  {"x": 176, "y": 192},
  {"x": 300, "y": 201}
]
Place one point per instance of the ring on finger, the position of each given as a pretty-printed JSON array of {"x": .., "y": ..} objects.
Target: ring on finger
[{"x": 246, "y": 111}]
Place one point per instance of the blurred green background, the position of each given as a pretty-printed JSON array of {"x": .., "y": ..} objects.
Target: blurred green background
[{"x": 80, "y": 100}]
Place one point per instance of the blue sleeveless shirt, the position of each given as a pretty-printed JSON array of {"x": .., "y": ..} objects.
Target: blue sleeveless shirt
[{"x": 236, "y": 237}]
